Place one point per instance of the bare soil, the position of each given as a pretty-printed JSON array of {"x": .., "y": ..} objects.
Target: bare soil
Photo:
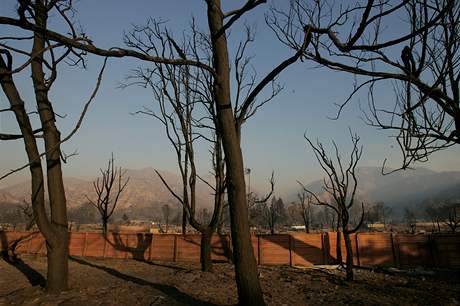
[{"x": 130, "y": 282}]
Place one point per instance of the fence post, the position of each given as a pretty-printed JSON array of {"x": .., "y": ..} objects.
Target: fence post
[
  {"x": 325, "y": 247},
  {"x": 175, "y": 249},
  {"x": 393, "y": 249},
  {"x": 291, "y": 246},
  {"x": 126, "y": 244},
  {"x": 394, "y": 240},
  {"x": 258, "y": 250},
  {"x": 105, "y": 245},
  {"x": 433, "y": 249},
  {"x": 150, "y": 247},
  {"x": 357, "y": 250},
  {"x": 85, "y": 245}
]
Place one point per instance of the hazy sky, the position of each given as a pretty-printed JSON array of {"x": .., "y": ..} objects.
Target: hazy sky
[{"x": 272, "y": 140}]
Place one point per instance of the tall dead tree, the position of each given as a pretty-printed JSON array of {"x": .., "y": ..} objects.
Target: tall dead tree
[
  {"x": 28, "y": 214},
  {"x": 43, "y": 59},
  {"x": 340, "y": 184},
  {"x": 230, "y": 117},
  {"x": 305, "y": 202},
  {"x": 453, "y": 216},
  {"x": 108, "y": 189},
  {"x": 166, "y": 212},
  {"x": 183, "y": 95},
  {"x": 420, "y": 61},
  {"x": 273, "y": 213}
]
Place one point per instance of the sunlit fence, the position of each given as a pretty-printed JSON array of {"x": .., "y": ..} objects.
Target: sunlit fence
[{"x": 300, "y": 249}]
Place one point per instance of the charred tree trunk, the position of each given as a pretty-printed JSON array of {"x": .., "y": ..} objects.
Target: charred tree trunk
[
  {"x": 306, "y": 221},
  {"x": 54, "y": 229},
  {"x": 248, "y": 285},
  {"x": 104, "y": 225},
  {"x": 184, "y": 221},
  {"x": 57, "y": 243},
  {"x": 349, "y": 260},
  {"x": 205, "y": 250},
  {"x": 57, "y": 266},
  {"x": 338, "y": 244}
]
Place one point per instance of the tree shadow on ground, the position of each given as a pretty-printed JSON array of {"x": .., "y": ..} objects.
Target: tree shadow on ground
[
  {"x": 170, "y": 291},
  {"x": 9, "y": 255},
  {"x": 163, "y": 265}
]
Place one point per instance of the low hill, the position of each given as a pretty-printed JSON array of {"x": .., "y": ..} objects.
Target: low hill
[
  {"x": 144, "y": 190},
  {"x": 410, "y": 188}
]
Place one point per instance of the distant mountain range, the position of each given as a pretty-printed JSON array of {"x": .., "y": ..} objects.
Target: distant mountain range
[
  {"x": 144, "y": 190},
  {"x": 411, "y": 188}
]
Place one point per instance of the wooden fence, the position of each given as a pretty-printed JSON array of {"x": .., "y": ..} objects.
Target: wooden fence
[{"x": 301, "y": 249}]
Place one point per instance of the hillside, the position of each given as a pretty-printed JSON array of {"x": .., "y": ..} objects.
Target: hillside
[
  {"x": 411, "y": 188},
  {"x": 145, "y": 189}
]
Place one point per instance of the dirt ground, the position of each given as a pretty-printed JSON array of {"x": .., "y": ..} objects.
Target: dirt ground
[{"x": 130, "y": 282}]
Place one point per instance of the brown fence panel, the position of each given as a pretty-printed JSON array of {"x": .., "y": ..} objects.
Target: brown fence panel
[
  {"x": 446, "y": 249},
  {"x": 370, "y": 249},
  {"x": 188, "y": 248},
  {"x": 307, "y": 249},
  {"x": 20, "y": 241},
  {"x": 77, "y": 244},
  {"x": 162, "y": 247},
  {"x": 95, "y": 243},
  {"x": 274, "y": 249},
  {"x": 354, "y": 247},
  {"x": 375, "y": 249},
  {"x": 220, "y": 245},
  {"x": 332, "y": 237},
  {"x": 255, "y": 241},
  {"x": 116, "y": 245},
  {"x": 37, "y": 245},
  {"x": 137, "y": 245},
  {"x": 413, "y": 250}
]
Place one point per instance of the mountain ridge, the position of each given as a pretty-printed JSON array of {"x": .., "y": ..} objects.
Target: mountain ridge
[
  {"x": 411, "y": 188},
  {"x": 144, "y": 189}
]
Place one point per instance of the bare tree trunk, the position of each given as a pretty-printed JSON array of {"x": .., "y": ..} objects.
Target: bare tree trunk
[
  {"x": 249, "y": 290},
  {"x": 338, "y": 243},
  {"x": 205, "y": 250},
  {"x": 57, "y": 267},
  {"x": 184, "y": 221},
  {"x": 57, "y": 245},
  {"x": 104, "y": 226},
  {"x": 349, "y": 250},
  {"x": 306, "y": 223}
]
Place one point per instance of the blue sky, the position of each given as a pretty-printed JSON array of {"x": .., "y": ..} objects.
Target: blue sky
[{"x": 272, "y": 140}]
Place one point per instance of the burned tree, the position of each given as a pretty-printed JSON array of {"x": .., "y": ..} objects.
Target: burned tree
[
  {"x": 410, "y": 219},
  {"x": 273, "y": 213},
  {"x": 108, "y": 189},
  {"x": 305, "y": 201},
  {"x": 230, "y": 115},
  {"x": 453, "y": 216},
  {"x": 166, "y": 212},
  {"x": 340, "y": 185},
  {"x": 183, "y": 95},
  {"x": 421, "y": 63},
  {"x": 43, "y": 58},
  {"x": 28, "y": 214}
]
